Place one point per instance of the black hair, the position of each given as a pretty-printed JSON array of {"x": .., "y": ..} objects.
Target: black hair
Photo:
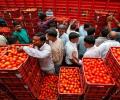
[
  {"x": 105, "y": 32},
  {"x": 91, "y": 31},
  {"x": 52, "y": 32},
  {"x": 73, "y": 27},
  {"x": 12, "y": 40},
  {"x": 42, "y": 16},
  {"x": 89, "y": 39},
  {"x": 73, "y": 35},
  {"x": 15, "y": 23},
  {"x": 87, "y": 25},
  {"x": 42, "y": 36}
]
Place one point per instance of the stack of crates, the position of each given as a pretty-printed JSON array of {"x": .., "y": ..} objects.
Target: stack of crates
[
  {"x": 30, "y": 16},
  {"x": 113, "y": 60},
  {"x": 95, "y": 90},
  {"x": 64, "y": 88},
  {"x": 23, "y": 81}
]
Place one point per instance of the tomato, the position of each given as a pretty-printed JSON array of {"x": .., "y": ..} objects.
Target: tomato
[
  {"x": 49, "y": 88},
  {"x": 12, "y": 59},
  {"x": 69, "y": 81},
  {"x": 96, "y": 71}
]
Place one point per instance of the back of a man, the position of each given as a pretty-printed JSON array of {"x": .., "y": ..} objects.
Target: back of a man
[{"x": 105, "y": 46}]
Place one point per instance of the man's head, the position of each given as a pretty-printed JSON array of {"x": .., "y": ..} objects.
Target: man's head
[
  {"x": 91, "y": 31},
  {"x": 17, "y": 26},
  {"x": 87, "y": 26},
  {"x": 62, "y": 29},
  {"x": 51, "y": 34},
  {"x": 112, "y": 35},
  {"x": 74, "y": 37},
  {"x": 42, "y": 16},
  {"x": 12, "y": 40},
  {"x": 89, "y": 41},
  {"x": 39, "y": 39},
  {"x": 105, "y": 32},
  {"x": 73, "y": 26}
]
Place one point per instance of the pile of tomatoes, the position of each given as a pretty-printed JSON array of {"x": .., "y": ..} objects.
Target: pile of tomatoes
[
  {"x": 96, "y": 72},
  {"x": 4, "y": 29},
  {"x": 116, "y": 53},
  {"x": 69, "y": 81},
  {"x": 2, "y": 50},
  {"x": 49, "y": 88},
  {"x": 12, "y": 59}
]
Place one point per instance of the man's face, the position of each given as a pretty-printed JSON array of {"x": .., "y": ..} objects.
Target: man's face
[
  {"x": 61, "y": 31},
  {"x": 49, "y": 37},
  {"x": 36, "y": 41},
  {"x": 75, "y": 40},
  {"x": 18, "y": 28},
  {"x": 86, "y": 45}
]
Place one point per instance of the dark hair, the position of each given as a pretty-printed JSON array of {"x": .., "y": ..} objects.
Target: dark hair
[
  {"x": 89, "y": 39},
  {"x": 12, "y": 40},
  {"x": 91, "y": 31},
  {"x": 73, "y": 35},
  {"x": 42, "y": 16},
  {"x": 73, "y": 27},
  {"x": 62, "y": 26},
  {"x": 87, "y": 25},
  {"x": 16, "y": 23},
  {"x": 52, "y": 32},
  {"x": 42, "y": 36},
  {"x": 105, "y": 32}
]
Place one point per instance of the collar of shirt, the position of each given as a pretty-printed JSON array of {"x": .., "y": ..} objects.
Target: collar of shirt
[
  {"x": 92, "y": 47},
  {"x": 74, "y": 45}
]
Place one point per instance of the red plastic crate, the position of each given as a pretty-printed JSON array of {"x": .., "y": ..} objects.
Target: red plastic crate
[
  {"x": 91, "y": 89},
  {"x": 70, "y": 96}
]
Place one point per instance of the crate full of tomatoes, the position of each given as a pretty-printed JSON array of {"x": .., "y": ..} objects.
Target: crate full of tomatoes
[
  {"x": 49, "y": 88},
  {"x": 70, "y": 85},
  {"x": 97, "y": 81},
  {"x": 113, "y": 60},
  {"x": 20, "y": 73}
]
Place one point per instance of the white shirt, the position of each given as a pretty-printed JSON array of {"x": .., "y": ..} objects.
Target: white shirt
[
  {"x": 100, "y": 40},
  {"x": 57, "y": 51},
  {"x": 105, "y": 46},
  {"x": 82, "y": 31},
  {"x": 92, "y": 52},
  {"x": 69, "y": 49},
  {"x": 3, "y": 40},
  {"x": 44, "y": 54}
]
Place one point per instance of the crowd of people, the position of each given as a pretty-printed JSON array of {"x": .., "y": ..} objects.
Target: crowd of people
[{"x": 58, "y": 44}]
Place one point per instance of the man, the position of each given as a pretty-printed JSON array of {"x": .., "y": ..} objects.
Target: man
[
  {"x": 43, "y": 52},
  {"x": 57, "y": 48},
  {"x": 44, "y": 23},
  {"x": 72, "y": 27},
  {"x": 83, "y": 29},
  {"x": 105, "y": 46},
  {"x": 89, "y": 42},
  {"x": 21, "y": 34},
  {"x": 82, "y": 48},
  {"x": 103, "y": 37},
  {"x": 3, "y": 40},
  {"x": 71, "y": 50},
  {"x": 63, "y": 36}
]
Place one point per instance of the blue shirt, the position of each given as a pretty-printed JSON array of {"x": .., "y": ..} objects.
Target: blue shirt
[
  {"x": 81, "y": 49},
  {"x": 64, "y": 38},
  {"x": 82, "y": 31}
]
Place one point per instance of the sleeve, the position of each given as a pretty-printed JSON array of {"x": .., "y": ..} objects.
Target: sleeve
[
  {"x": 36, "y": 53},
  {"x": 68, "y": 30},
  {"x": 101, "y": 50}
]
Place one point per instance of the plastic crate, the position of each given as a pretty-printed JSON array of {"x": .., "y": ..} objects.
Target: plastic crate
[
  {"x": 49, "y": 88},
  {"x": 70, "y": 96},
  {"x": 114, "y": 64},
  {"x": 19, "y": 80},
  {"x": 102, "y": 89}
]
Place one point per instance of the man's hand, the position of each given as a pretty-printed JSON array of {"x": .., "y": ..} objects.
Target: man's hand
[{"x": 20, "y": 49}]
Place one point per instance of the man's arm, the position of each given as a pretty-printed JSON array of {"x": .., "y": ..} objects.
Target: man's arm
[{"x": 36, "y": 53}]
